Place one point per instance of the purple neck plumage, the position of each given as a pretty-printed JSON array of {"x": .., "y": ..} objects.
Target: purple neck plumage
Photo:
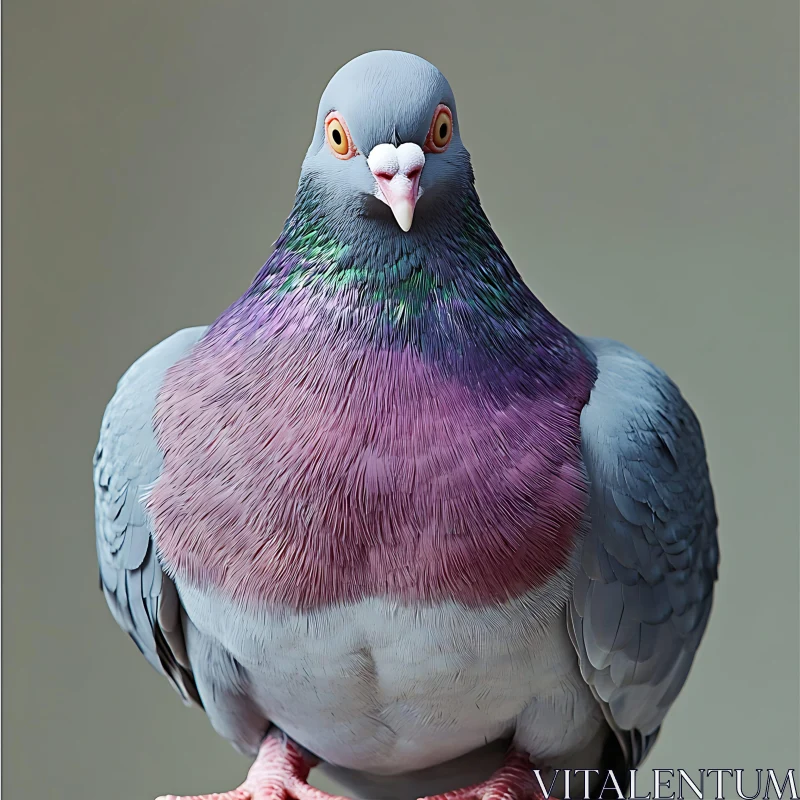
[
  {"x": 380, "y": 414},
  {"x": 447, "y": 291}
]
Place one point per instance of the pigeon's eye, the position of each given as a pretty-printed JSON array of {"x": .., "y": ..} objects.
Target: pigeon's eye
[
  {"x": 338, "y": 136},
  {"x": 441, "y": 130}
]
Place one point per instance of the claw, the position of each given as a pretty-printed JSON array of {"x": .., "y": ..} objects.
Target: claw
[
  {"x": 235, "y": 794},
  {"x": 278, "y": 773}
]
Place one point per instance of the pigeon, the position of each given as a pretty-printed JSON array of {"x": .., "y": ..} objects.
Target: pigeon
[{"x": 387, "y": 515}]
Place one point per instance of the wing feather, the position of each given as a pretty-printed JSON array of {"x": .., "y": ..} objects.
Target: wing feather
[
  {"x": 142, "y": 600},
  {"x": 642, "y": 599}
]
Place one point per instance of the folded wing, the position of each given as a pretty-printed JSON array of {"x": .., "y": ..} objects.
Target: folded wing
[
  {"x": 127, "y": 462},
  {"x": 643, "y": 595}
]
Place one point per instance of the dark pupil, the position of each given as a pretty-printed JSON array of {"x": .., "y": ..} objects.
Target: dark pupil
[
  {"x": 443, "y": 130},
  {"x": 337, "y": 137}
]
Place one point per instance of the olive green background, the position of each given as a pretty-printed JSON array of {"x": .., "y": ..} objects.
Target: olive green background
[{"x": 639, "y": 160}]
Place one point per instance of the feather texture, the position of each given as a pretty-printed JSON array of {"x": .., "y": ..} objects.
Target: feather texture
[
  {"x": 127, "y": 463},
  {"x": 642, "y": 599},
  {"x": 395, "y": 417}
]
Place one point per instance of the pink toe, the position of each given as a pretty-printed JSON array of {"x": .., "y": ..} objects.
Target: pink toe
[{"x": 237, "y": 794}]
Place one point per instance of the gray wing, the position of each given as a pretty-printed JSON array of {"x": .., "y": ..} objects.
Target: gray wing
[
  {"x": 643, "y": 594},
  {"x": 127, "y": 463}
]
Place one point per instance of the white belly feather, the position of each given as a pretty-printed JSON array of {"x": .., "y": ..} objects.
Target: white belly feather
[{"x": 385, "y": 688}]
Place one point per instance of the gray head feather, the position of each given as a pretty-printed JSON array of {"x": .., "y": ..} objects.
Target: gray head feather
[{"x": 384, "y": 97}]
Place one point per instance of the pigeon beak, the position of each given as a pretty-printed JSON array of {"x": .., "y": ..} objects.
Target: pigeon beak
[
  {"x": 397, "y": 172},
  {"x": 400, "y": 194}
]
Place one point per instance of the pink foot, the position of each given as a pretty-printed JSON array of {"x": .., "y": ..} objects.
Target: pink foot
[
  {"x": 513, "y": 781},
  {"x": 278, "y": 773}
]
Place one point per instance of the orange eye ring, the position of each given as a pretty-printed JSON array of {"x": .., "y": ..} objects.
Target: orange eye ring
[
  {"x": 441, "y": 131},
  {"x": 338, "y": 137}
]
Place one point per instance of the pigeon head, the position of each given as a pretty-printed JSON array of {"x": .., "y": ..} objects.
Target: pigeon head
[
  {"x": 386, "y": 143},
  {"x": 387, "y": 250}
]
